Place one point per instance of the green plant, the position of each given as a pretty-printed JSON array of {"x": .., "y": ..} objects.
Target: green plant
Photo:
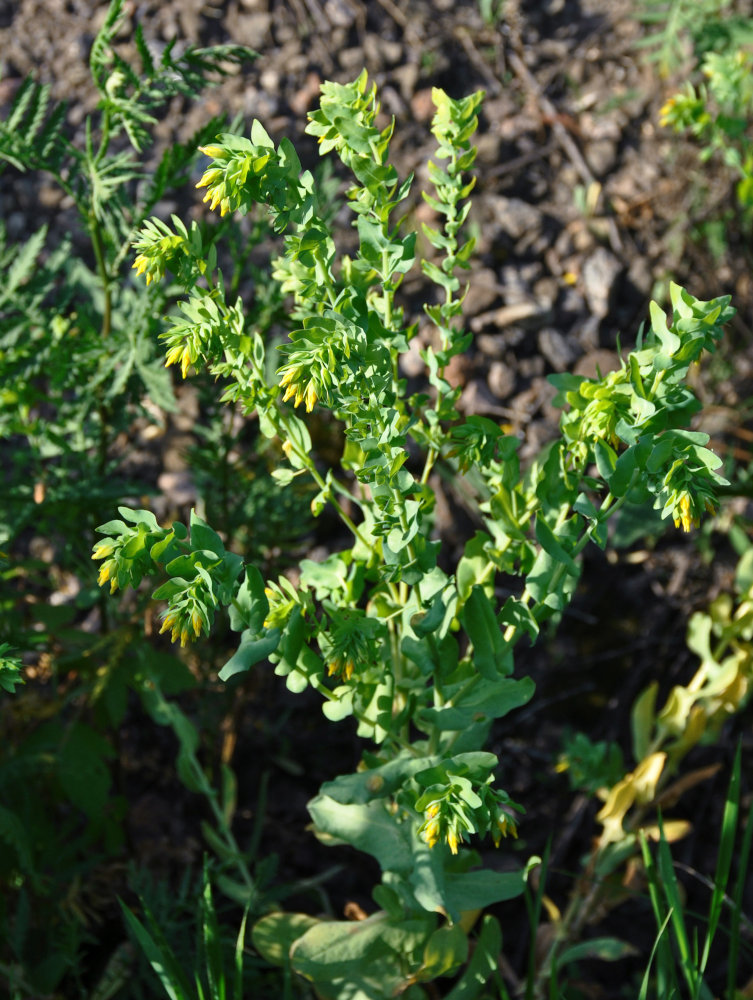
[
  {"x": 78, "y": 373},
  {"x": 718, "y": 115},
  {"x": 683, "y": 31},
  {"x": 678, "y": 954},
  {"x": 662, "y": 737},
  {"x": 211, "y": 980},
  {"x": 419, "y": 656}
]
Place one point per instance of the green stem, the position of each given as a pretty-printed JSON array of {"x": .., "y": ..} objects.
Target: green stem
[{"x": 100, "y": 257}]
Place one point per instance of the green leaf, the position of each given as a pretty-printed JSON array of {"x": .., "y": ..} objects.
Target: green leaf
[
  {"x": 515, "y": 612},
  {"x": 250, "y": 606},
  {"x": 483, "y": 964},
  {"x": 204, "y": 537},
  {"x": 487, "y": 700},
  {"x": 368, "y": 826},
  {"x": 490, "y": 655},
  {"x": 478, "y": 889},
  {"x": 335, "y": 949},
  {"x": 251, "y": 651},
  {"x": 643, "y": 719},
  {"x": 424, "y": 623},
  {"x": 473, "y": 564},
  {"x": 274, "y": 935},
  {"x": 362, "y": 960},
  {"x": 159, "y": 955},
  {"x": 551, "y": 545},
  {"x": 608, "y": 949},
  {"x": 446, "y": 949}
]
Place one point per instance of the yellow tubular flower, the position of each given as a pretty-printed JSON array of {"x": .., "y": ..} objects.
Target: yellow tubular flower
[
  {"x": 310, "y": 397},
  {"x": 665, "y": 112},
  {"x": 686, "y": 518},
  {"x": 173, "y": 354},
  {"x": 140, "y": 264},
  {"x": 431, "y": 833},
  {"x": 196, "y": 622},
  {"x": 169, "y": 622},
  {"x": 505, "y": 826},
  {"x": 452, "y": 841},
  {"x": 103, "y": 549}
]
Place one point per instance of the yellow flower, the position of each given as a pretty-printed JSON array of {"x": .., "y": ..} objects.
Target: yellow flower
[
  {"x": 431, "y": 833},
  {"x": 196, "y": 622},
  {"x": 140, "y": 264},
  {"x": 665, "y": 111},
  {"x": 686, "y": 518},
  {"x": 171, "y": 622},
  {"x": 211, "y": 150},
  {"x": 452, "y": 841},
  {"x": 342, "y": 666},
  {"x": 505, "y": 827},
  {"x": 310, "y": 397},
  {"x": 179, "y": 353},
  {"x": 103, "y": 549},
  {"x": 106, "y": 571}
]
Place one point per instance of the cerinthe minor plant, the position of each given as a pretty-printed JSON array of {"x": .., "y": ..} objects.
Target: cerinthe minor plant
[{"x": 422, "y": 658}]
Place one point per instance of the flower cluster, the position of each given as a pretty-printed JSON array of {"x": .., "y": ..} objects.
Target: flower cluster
[
  {"x": 688, "y": 486},
  {"x": 596, "y": 408},
  {"x": 298, "y": 387},
  {"x": 353, "y": 639},
  {"x": 127, "y": 552},
  {"x": 159, "y": 248},
  {"x": 189, "y": 611},
  {"x": 445, "y": 820},
  {"x": 226, "y": 177}
]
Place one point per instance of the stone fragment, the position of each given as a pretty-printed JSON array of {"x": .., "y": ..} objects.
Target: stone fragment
[
  {"x": 599, "y": 274},
  {"x": 558, "y": 350},
  {"x": 501, "y": 379}
]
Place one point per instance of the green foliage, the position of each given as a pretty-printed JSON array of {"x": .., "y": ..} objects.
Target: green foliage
[
  {"x": 421, "y": 658},
  {"x": 212, "y": 980},
  {"x": 590, "y": 766},
  {"x": 683, "y": 31},
  {"x": 718, "y": 114},
  {"x": 77, "y": 342},
  {"x": 679, "y": 953},
  {"x": 78, "y": 371},
  {"x": 10, "y": 669}
]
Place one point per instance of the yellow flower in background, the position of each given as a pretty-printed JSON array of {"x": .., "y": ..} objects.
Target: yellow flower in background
[
  {"x": 637, "y": 787},
  {"x": 666, "y": 112}
]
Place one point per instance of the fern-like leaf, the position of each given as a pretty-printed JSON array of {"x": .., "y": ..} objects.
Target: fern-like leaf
[
  {"x": 100, "y": 57},
  {"x": 21, "y": 265},
  {"x": 32, "y": 136}
]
